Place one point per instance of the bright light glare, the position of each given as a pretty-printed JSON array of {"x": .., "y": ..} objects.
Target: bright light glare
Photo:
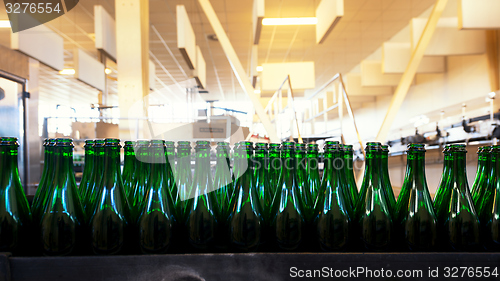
[
  {"x": 4, "y": 24},
  {"x": 107, "y": 70},
  {"x": 259, "y": 68},
  {"x": 67, "y": 71},
  {"x": 289, "y": 21},
  {"x": 256, "y": 92}
]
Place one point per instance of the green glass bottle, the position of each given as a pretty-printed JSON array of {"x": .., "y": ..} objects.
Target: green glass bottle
[
  {"x": 128, "y": 167},
  {"x": 375, "y": 220},
  {"x": 223, "y": 180},
  {"x": 305, "y": 196},
  {"x": 246, "y": 223},
  {"x": 110, "y": 222},
  {"x": 458, "y": 224},
  {"x": 312, "y": 156},
  {"x": 15, "y": 215},
  {"x": 384, "y": 166},
  {"x": 142, "y": 171},
  {"x": 275, "y": 166},
  {"x": 340, "y": 164},
  {"x": 62, "y": 225},
  {"x": 416, "y": 220},
  {"x": 40, "y": 198},
  {"x": 348, "y": 173},
  {"x": 201, "y": 212},
  {"x": 183, "y": 180},
  {"x": 333, "y": 221},
  {"x": 156, "y": 219},
  {"x": 170, "y": 166},
  {"x": 96, "y": 177},
  {"x": 483, "y": 172},
  {"x": 261, "y": 177},
  {"x": 87, "y": 170},
  {"x": 288, "y": 222},
  {"x": 488, "y": 204}
]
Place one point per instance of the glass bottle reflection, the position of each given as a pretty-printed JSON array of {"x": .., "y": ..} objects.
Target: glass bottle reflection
[
  {"x": 201, "y": 212},
  {"x": 457, "y": 218},
  {"x": 288, "y": 223},
  {"x": 62, "y": 224},
  {"x": 156, "y": 220},
  {"x": 333, "y": 221},
  {"x": 246, "y": 222},
  {"x": 15, "y": 215},
  {"x": 373, "y": 209},
  {"x": 415, "y": 217}
]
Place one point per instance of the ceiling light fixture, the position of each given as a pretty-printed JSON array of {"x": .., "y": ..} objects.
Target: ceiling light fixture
[
  {"x": 259, "y": 68},
  {"x": 4, "y": 24},
  {"x": 108, "y": 70},
  {"x": 67, "y": 71},
  {"x": 289, "y": 21}
]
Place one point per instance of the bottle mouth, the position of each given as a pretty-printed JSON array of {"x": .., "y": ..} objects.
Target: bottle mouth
[
  {"x": 142, "y": 143},
  {"x": 275, "y": 145},
  {"x": 64, "y": 142},
  {"x": 416, "y": 147},
  {"x": 300, "y": 147},
  {"x": 128, "y": 144},
  {"x": 156, "y": 143},
  {"x": 261, "y": 145},
  {"x": 332, "y": 145},
  {"x": 223, "y": 143},
  {"x": 457, "y": 148},
  {"x": 184, "y": 144},
  {"x": 347, "y": 147},
  {"x": 112, "y": 142},
  {"x": 99, "y": 143},
  {"x": 373, "y": 146},
  {"x": 312, "y": 146},
  {"x": 9, "y": 141}
]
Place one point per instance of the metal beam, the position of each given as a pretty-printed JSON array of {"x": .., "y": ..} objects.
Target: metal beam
[
  {"x": 492, "y": 55},
  {"x": 238, "y": 70},
  {"x": 411, "y": 69}
]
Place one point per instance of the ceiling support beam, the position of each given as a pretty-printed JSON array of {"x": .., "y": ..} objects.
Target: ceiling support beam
[
  {"x": 238, "y": 69},
  {"x": 492, "y": 55},
  {"x": 411, "y": 70},
  {"x": 132, "y": 55}
]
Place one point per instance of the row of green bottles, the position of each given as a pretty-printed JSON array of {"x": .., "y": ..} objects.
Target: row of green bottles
[
  {"x": 486, "y": 196},
  {"x": 156, "y": 204}
]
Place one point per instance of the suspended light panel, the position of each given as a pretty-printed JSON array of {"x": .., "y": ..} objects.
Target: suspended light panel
[
  {"x": 4, "y": 24},
  {"x": 289, "y": 21}
]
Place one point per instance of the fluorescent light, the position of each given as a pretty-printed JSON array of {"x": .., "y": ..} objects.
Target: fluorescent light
[
  {"x": 289, "y": 21},
  {"x": 67, "y": 71},
  {"x": 108, "y": 70},
  {"x": 4, "y": 24},
  {"x": 259, "y": 68},
  {"x": 256, "y": 92}
]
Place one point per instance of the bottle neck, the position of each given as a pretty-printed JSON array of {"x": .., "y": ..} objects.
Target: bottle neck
[
  {"x": 415, "y": 165},
  {"x": 288, "y": 168},
  {"x": 9, "y": 159},
  {"x": 99, "y": 157},
  {"x": 458, "y": 167},
  {"x": 261, "y": 163},
  {"x": 495, "y": 164},
  {"x": 330, "y": 157},
  {"x": 158, "y": 165},
  {"x": 89, "y": 159},
  {"x": 63, "y": 157},
  {"x": 112, "y": 161},
  {"x": 202, "y": 169},
  {"x": 129, "y": 156}
]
